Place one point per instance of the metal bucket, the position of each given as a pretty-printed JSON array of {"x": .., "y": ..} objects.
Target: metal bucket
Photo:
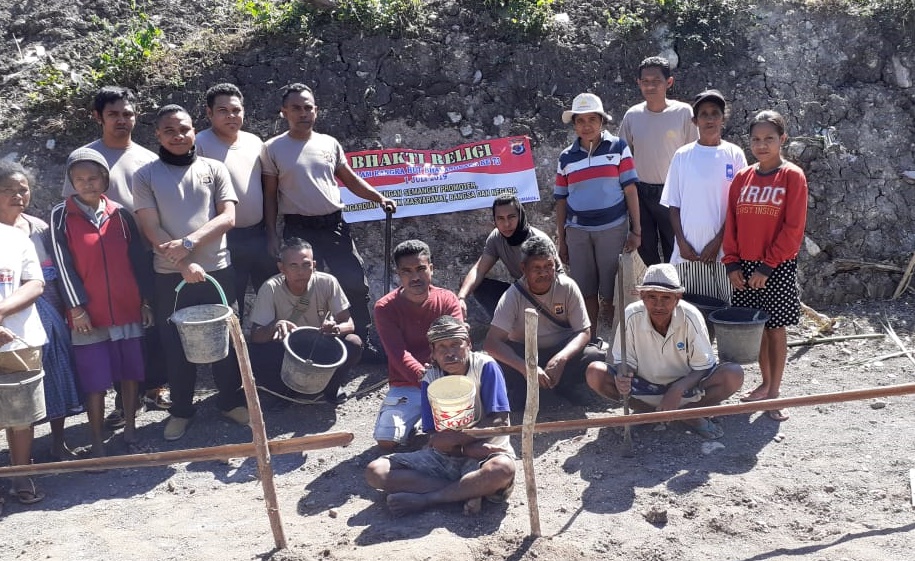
[
  {"x": 706, "y": 305},
  {"x": 203, "y": 329},
  {"x": 21, "y": 398},
  {"x": 311, "y": 359},
  {"x": 739, "y": 332}
]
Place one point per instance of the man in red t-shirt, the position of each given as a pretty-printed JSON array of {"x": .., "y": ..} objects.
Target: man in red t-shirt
[{"x": 402, "y": 318}]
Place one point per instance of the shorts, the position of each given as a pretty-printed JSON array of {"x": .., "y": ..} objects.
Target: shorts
[
  {"x": 594, "y": 258},
  {"x": 780, "y": 298},
  {"x": 399, "y": 414},
  {"x": 433, "y": 463},
  {"x": 99, "y": 365},
  {"x": 652, "y": 394}
]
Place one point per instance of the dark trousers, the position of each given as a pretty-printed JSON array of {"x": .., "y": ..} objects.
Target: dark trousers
[
  {"x": 656, "y": 227},
  {"x": 489, "y": 293},
  {"x": 182, "y": 375},
  {"x": 267, "y": 361},
  {"x": 335, "y": 251},
  {"x": 248, "y": 248},
  {"x": 574, "y": 374}
]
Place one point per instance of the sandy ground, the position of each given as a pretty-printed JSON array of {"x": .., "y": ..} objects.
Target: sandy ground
[{"x": 832, "y": 483}]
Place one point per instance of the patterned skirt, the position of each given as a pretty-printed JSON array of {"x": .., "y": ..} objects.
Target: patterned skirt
[{"x": 61, "y": 395}]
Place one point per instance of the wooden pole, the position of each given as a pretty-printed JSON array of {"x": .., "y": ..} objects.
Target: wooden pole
[
  {"x": 696, "y": 412},
  {"x": 258, "y": 429},
  {"x": 531, "y": 408},
  {"x": 224, "y": 452},
  {"x": 821, "y": 340},
  {"x": 624, "y": 366},
  {"x": 906, "y": 277}
]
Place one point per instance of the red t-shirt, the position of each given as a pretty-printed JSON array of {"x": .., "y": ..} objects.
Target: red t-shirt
[
  {"x": 766, "y": 216},
  {"x": 402, "y": 327}
]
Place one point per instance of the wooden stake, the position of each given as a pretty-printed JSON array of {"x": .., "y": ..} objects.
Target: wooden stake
[
  {"x": 912, "y": 484},
  {"x": 906, "y": 277},
  {"x": 895, "y": 338},
  {"x": 696, "y": 412},
  {"x": 258, "y": 429},
  {"x": 224, "y": 452},
  {"x": 822, "y": 340},
  {"x": 531, "y": 408}
]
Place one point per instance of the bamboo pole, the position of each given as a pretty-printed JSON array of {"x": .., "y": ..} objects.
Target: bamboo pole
[
  {"x": 906, "y": 277},
  {"x": 892, "y": 333},
  {"x": 259, "y": 430},
  {"x": 224, "y": 452},
  {"x": 696, "y": 412},
  {"x": 531, "y": 408},
  {"x": 821, "y": 340}
]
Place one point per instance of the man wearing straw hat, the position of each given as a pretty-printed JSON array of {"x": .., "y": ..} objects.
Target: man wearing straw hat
[
  {"x": 299, "y": 296},
  {"x": 185, "y": 204},
  {"x": 669, "y": 354},
  {"x": 453, "y": 467}
]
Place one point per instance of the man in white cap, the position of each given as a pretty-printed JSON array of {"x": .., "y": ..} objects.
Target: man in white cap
[
  {"x": 670, "y": 360},
  {"x": 595, "y": 193},
  {"x": 453, "y": 467}
]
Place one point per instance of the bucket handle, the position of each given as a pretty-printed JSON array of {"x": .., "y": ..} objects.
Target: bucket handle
[{"x": 183, "y": 282}]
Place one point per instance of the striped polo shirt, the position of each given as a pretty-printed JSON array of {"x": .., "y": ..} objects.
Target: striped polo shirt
[{"x": 592, "y": 184}]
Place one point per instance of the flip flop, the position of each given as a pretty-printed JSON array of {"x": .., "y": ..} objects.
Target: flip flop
[
  {"x": 777, "y": 416},
  {"x": 27, "y": 496}
]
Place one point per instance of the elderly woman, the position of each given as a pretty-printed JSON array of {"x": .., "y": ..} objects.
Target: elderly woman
[
  {"x": 21, "y": 284},
  {"x": 61, "y": 396}
]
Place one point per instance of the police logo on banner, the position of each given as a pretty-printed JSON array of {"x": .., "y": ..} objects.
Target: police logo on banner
[{"x": 517, "y": 147}]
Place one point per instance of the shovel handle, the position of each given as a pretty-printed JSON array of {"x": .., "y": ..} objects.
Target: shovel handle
[{"x": 388, "y": 231}]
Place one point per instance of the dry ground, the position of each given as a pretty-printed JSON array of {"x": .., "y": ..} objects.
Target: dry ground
[{"x": 832, "y": 483}]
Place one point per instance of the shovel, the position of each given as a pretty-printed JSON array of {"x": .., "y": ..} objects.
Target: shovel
[
  {"x": 624, "y": 366},
  {"x": 388, "y": 228}
]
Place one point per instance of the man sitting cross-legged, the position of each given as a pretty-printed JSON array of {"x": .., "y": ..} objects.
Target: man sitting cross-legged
[
  {"x": 453, "y": 467},
  {"x": 299, "y": 296},
  {"x": 669, "y": 352}
]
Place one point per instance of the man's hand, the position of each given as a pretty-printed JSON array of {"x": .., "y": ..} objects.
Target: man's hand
[
  {"x": 737, "y": 280},
  {"x": 463, "y": 306},
  {"x": 273, "y": 245},
  {"x": 757, "y": 280},
  {"x": 81, "y": 321},
  {"x": 710, "y": 251},
  {"x": 330, "y": 327},
  {"x": 563, "y": 248},
  {"x": 672, "y": 396},
  {"x": 623, "y": 383},
  {"x": 448, "y": 441},
  {"x": 282, "y": 328},
  {"x": 6, "y": 336},
  {"x": 388, "y": 205},
  {"x": 554, "y": 370},
  {"x": 174, "y": 251},
  {"x": 633, "y": 241},
  {"x": 686, "y": 251},
  {"x": 146, "y": 315},
  {"x": 192, "y": 272}
]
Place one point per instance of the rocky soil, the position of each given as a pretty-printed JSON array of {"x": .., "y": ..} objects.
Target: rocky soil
[{"x": 832, "y": 483}]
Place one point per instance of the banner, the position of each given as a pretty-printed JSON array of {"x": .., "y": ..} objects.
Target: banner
[{"x": 427, "y": 182}]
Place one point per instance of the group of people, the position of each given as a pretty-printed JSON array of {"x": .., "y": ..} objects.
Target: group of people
[{"x": 96, "y": 286}]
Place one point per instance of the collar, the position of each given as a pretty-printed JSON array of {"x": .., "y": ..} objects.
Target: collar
[{"x": 605, "y": 136}]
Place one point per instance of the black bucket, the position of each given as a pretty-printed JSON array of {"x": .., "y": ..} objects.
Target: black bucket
[{"x": 706, "y": 305}]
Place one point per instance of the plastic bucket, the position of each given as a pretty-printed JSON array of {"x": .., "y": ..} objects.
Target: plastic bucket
[
  {"x": 739, "y": 332},
  {"x": 21, "y": 398},
  {"x": 452, "y": 400},
  {"x": 311, "y": 359},
  {"x": 203, "y": 329},
  {"x": 706, "y": 305}
]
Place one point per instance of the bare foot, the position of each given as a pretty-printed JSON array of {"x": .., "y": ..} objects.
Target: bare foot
[
  {"x": 777, "y": 415},
  {"x": 405, "y": 503},
  {"x": 473, "y": 506},
  {"x": 759, "y": 394}
]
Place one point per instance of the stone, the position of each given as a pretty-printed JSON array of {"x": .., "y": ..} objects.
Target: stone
[
  {"x": 498, "y": 120},
  {"x": 878, "y": 404},
  {"x": 710, "y": 447},
  {"x": 466, "y": 130},
  {"x": 455, "y": 117},
  {"x": 656, "y": 515}
]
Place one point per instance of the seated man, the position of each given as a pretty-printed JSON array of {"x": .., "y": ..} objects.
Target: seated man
[
  {"x": 503, "y": 243},
  {"x": 670, "y": 359},
  {"x": 299, "y": 296},
  {"x": 402, "y": 318},
  {"x": 453, "y": 467},
  {"x": 563, "y": 328}
]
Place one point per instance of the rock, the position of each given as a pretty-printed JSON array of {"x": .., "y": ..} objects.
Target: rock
[
  {"x": 903, "y": 77},
  {"x": 477, "y": 77},
  {"x": 561, "y": 19},
  {"x": 909, "y": 176},
  {"x": 50, "y": 144},
  {"x": 811, "y": 246},
  {"x": 878, "y": 404},
  {"x": 779, "y": 437},
  {"x": 656, "y": 515},
  {"x": 711, "y": 446},
  {"x": 332, "y": 513},
  {"x": 455, "y": 117},
  {"x": 829, "y": 488},
  {"x": 498, "y": 120},
  {"x": 466, "y": 130}
]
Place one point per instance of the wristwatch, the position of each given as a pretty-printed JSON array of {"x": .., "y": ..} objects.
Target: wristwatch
[{"x": 187, "y": 244}]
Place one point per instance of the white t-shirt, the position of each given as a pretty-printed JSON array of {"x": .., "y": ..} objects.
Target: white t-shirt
[
  {"x": 305, "y": 171},
  {"x": 243, "y": 160},
  {"x": 654, "y": 137},
  {"x": 697, "y": 183},
  {"x": 123, "y": 163},
  {"x": 19, "y": 263},
  {"x": 664, "y": 359},
  {"x": 275, "y": 301},
  {"x": 563, "y": 300}
]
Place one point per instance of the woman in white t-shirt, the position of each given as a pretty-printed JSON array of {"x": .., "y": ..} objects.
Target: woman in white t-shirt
[
  {"x": 696, "y": 191},
  {"x": 21, "y": 284}
]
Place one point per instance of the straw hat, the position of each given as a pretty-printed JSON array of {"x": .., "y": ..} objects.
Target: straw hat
[
  {"x": 662, "y": 278},
  {"x": 585, "y": 103}
]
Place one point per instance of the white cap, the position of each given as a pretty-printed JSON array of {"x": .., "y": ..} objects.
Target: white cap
[{"x": 585, "y": 103}]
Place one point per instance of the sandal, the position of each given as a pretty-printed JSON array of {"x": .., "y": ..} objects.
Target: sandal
[
  {"x": 27, "y": 496},
  {"x": 777, "y": 416},
  {"x": 707, "y": 429}
]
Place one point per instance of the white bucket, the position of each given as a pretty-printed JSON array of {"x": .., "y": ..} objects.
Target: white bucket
[{"x": 452, "y": 400}]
